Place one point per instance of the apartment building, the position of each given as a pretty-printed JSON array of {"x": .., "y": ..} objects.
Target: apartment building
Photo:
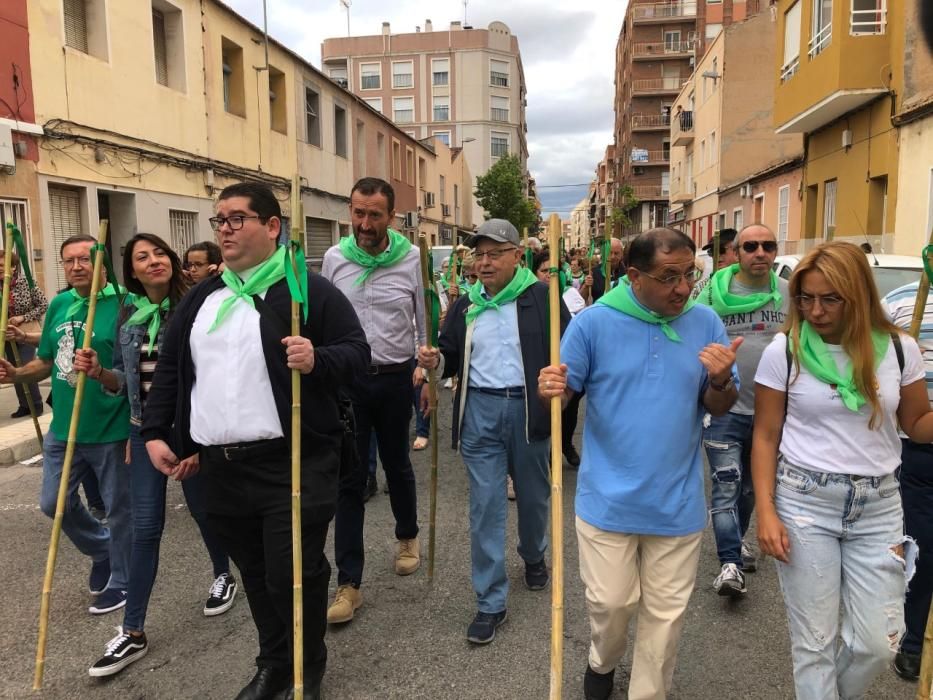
[
  {"x": 460, "y": 85},
  {"x": 580, "y": 224},
  {"x": 602, "y": 194},
  {"x": 446, "y": 199}
]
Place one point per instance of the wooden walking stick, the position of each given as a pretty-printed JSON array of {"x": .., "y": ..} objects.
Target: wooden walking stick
[
  {"x": 431, "y": 312},
  {"x": 607, "y": 268},
  {"x": 295, "y": 236},
  {"x": 715, "y": 253},
  {"x": 5, "y": 319},
  {"x": 66, "y": 464},
  {"x": 557, "y": 487}
]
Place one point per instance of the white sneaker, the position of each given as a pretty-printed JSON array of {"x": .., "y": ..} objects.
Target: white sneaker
[
  {"x": 749, "y": 558},
  {"x": 730, "y": 582}
]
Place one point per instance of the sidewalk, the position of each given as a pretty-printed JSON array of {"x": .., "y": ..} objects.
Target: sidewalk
[{"x": 18, "y": 435}]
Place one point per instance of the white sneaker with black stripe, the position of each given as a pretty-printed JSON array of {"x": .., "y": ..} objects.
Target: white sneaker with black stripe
[
  {"x": 221, "y": 596},
  {"x": 730, "y": 582},
  {"x": 121, "y": 651}
]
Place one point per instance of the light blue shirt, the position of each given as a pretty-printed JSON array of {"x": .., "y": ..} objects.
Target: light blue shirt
[
  {"x": 496, "y": 353},
  {"x": 642, "y": 470}
]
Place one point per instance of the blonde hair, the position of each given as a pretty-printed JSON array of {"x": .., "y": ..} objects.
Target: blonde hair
[{"x": 846, "y": 270}]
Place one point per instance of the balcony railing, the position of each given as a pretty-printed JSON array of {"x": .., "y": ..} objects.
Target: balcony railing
[
  {"x": 659, "y": 84},
  {"x": 640, "y": 156},
  {"x": 644, "y": 192},
  {"x": 663, "y": 48},
  {"x": 663, "y": 10},
  {"x": 651, "y": 121},
  {"x": 871, "y": 21},
  {"x": 790, "y": 68},
  {"x": 821, "y": 40},
  {"x": 682, "y": 132}
]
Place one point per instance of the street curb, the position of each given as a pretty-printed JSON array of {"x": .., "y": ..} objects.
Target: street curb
[{"x": 18, "y": 441}]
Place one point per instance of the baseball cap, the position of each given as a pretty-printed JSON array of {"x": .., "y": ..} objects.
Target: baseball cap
[
  {"x": 498, "y": 230},
  {"x": 726, "y": 237}
]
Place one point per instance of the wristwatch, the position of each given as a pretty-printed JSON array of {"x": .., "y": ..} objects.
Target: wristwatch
[{"x": 722, "y": 387}]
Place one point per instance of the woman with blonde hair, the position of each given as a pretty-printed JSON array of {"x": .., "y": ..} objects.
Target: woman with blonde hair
[{"x": 824, "y": 459}]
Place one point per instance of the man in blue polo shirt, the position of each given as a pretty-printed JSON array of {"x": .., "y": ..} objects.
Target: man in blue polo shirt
[{"x": 640, "y": 503}]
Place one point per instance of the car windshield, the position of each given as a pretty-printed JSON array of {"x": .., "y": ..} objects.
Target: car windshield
[{"x": 890, "y": 278}]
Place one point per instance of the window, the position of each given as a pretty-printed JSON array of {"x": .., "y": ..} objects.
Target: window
[
  {"x": 168, "y": 45},
  {"x": 360, "y": 142},
  {"x": 672, "y": 41},
  {"x": 442, "y": 189},
  {"x": 829, "y": 209},
  {"x": 499, "y": 108},
  {"x": 65, "y": 221},
  {"x": 665, "y": 183},
  {"x": 783, "y": 208},
  {"x": 183, "y": 226},
  {"x": 737, "y": 216},
  {"x": 340, "y": 130},
  {"x": 499, "y": 144},
  {"x": 375, "y": 103},
  {"x": 159, "y": 48},
  {"x": 791, "y": 42},
  {"x": 86, "y": 26},
  {"x": 715, "y": 72},
  {"x": 75, "y": 13},
  {"x": 712, "y": 31},
  {"x": 443, "y": 137},
  {"x": 877, "y": 205},
  {"x": 370, "y": 76},
  {"x": 402, "y": 74},
  {"x": 441, "y": 109},
  {"x": 278, "y": 112},
  {"x": 409, "y": 166},
  {"x": 868, "y": 16},
  {"x": 312, "y": 116},
  {"x": 232, "y": 66},
  {"x": 440, "y": 71},
  {"x": 403, "y": 110},
  {"x": 666, "y": 149},
  {"x": 821, "y": 26},
  {"x": 339, "y": 76},
  {"x": 422, "y": 172},
  {"x": 381, "y": 151},
  {"x": 396, "y": 160},
  {"x": 702, "y": 155},
  {"x": 498, "y": 73}
]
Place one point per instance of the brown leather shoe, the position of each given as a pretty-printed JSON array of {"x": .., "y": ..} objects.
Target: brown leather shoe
[
  {"x": 407, "y": 557},
  {"x": 347, "y": 601}
]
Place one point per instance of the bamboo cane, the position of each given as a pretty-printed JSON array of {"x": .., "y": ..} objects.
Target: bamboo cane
[
  {"x": 432, "y": 402},
  {"x": 923, "y": 290},
  {"x": 296, "y": 231},
  {"x": 607, "y": 268},
  {"x": 5, "y": 320},
  {"x": 715, "y": 252},
  {"x": 557, "y": 500},
  {"x": 66, "y": 466}
]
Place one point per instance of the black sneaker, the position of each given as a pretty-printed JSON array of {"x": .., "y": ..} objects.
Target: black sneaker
[
  {"x": 483, "y": 628},
  {"x": 907, "y": 666},
  {"x": 108, "y": 601},
  {"x": 100, "y": 577},
  {"x": 597, "y": 686},
  {"x": 372, "y": 488},
  {"x": 121, "y": 651},
  {"x": 21, "y": 412},
  {"x": 220, "y": 597},
  {"x": 536, "y": 576},
  {"x": 572, "y": 456}
]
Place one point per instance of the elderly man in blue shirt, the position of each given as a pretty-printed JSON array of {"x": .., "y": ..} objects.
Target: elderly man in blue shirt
[
  {"x": 496, "y": 340},
  {"x": 651, "y": 363}
]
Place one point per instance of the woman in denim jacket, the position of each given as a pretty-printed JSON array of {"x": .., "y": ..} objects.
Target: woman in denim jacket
[
  {"x": 825, "y": 455},
  {"x": 153, "y": 273}
]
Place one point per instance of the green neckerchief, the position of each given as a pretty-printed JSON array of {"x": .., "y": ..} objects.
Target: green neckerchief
[
  {"x": 148, "y": 311},
  {"x": 523, "y": 279},
  {"x": 820, "y": 363},
  {"x": 397, "y": 249},
  {"x": 264, "y": 276},
  {"x": 78, "y": 302},
  {"x": 21, "y": 251},
  {"x": 725, "y": 303},
  {"x": 622, "y": 298}
]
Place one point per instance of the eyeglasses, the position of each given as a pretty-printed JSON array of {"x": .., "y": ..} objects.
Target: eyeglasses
[
  {"x": 472, "y": 278},
  {"x": 74, "y": 262},
  {"x": 235, "y": 222},
  {"x": 752, "y": 246},
  {"x": 828, "y": 302},
  {"x": 671, "y": 281},
  {"x": 195, "y": 265},
  {"x": 493, "y": 254}
]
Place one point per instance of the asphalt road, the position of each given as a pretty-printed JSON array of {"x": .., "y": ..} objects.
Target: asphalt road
[{"x": 408, "y": 639}]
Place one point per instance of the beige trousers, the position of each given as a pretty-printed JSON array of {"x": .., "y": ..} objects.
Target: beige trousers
[{"x": 646, "y": 574}]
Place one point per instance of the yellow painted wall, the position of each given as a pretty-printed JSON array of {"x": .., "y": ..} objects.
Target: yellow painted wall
[{"x": 915, "y": 187}]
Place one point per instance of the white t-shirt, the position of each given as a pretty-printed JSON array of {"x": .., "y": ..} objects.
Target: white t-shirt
[
  {"x": 573, "y": 301},
  {"x": 820, "y": 433}
]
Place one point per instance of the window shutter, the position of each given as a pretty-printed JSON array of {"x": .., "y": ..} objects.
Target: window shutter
[
  {"x": 159, "y": 47},
  {"x": 75, "y": 14},
  {"x": 65, "y": 216}
]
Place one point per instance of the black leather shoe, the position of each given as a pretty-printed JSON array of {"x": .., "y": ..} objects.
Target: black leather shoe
[
  {"x": 907, "y": 666},
  {"x": 573, "y": 458},
  {"x": 309, "y": 693},
  {"x": 372, "y": 488},
  {"x": 20, "y": 412},
  {"x": 267, "y": 684},
  {"x": 597, "y": 686}
]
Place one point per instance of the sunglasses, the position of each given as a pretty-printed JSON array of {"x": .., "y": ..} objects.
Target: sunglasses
[{"x": 752, "y": 246}]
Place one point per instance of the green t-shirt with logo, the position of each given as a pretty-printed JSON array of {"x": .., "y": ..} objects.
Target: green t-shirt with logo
[{"x": 104, "y": 418}]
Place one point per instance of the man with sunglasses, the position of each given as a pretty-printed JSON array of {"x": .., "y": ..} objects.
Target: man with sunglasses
[
  {"x": 496, "y": 340},
  {"x": 752, "y": 302}
]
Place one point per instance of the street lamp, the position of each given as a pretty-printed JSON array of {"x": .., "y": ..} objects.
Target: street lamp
[{"x": 468, "y": 139}]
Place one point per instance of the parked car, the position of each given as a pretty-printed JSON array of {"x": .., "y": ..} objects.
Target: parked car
[{"x": 890, "y": 271}]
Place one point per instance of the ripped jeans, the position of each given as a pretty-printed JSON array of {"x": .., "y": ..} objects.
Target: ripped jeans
[
  {"x": 728, "y": 443},
  {"x": 846, "y": 545}
]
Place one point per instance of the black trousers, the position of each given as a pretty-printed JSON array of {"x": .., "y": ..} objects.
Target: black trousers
[
  {"x": 382, "y": 403},
  {"x": 917, "y": 496},
  {"x": 568, "y": 425},
  {"x": 249, "y": 510}
]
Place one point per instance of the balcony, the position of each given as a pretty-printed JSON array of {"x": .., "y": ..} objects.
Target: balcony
[
  {"x": 679, "y": 191},
  {"x": 660, "y": 12},
  {"x": 658, "y": 86},
  {"x": 651, "y": 122},
  {"x": 641, "y": 156},
  {"x": 652, "y": 50},
  {"x": 649, "y": 193},
  {"x": 682, "y": 131}
]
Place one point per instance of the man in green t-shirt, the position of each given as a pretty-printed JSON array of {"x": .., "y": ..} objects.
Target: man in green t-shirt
[{"x": 102, "y": 432}]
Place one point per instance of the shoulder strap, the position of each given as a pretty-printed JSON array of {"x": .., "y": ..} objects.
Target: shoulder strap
[
  {"x": 278, "y": 322},
  {"x": 790, "y": 363},
  {"x": 899, "y": 350}
]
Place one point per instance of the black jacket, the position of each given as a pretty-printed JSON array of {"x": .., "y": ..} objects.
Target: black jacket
[
  {"x": 599, "y": 282},
  {"x": 340, "y": 353},
  {"x": 533, "y": 336}
]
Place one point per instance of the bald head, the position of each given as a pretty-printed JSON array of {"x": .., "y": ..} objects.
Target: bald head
[
  {"x": 755, "y": 264},
  {"x": 754, "y": 232},
  {"x": 615, "y": 253}
]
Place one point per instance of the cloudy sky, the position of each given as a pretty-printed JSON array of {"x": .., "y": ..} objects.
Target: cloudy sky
[{"x": 568, "y": 51}]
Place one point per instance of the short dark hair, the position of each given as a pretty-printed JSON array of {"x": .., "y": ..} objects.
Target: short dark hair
[
  {"x": 643, "y": 249},
  {"x": 79, "y": 238},
  {"x": 543, "y": 257},
  {"x": 214, "y": 255},
  {"x": 178, "y": 285},
  {"x": 261, "y": 198},
  {"x": 374, "y": 185}
]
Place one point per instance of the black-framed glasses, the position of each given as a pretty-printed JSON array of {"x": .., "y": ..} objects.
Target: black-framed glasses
[
  {"x": 829, "y": 302},
  {"x": 752, "y": 246},
  {"x": 493, "y": 254},
  {"x": 670, "y": 281},
  {"x": 235, "y": 222},
  {"x": 472, "y": 278},
  {"x": 195, "y": 265}
]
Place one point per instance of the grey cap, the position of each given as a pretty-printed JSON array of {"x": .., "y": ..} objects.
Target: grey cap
[{"x": 498, "y": 230}]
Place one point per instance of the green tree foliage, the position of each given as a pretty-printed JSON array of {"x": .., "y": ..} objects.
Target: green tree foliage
[
  {"x": 501, "y": 193},
  {"x": 626, "y": 202}
]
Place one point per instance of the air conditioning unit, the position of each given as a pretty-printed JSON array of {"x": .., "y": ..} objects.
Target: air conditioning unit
[
  {"x": 847, "y": 138},
  {"x": 445, "y": 210},
  {"x": 638, "y": 170},
  {"x": 411, "y": 219},
  {"x": 428, "y": 200}
]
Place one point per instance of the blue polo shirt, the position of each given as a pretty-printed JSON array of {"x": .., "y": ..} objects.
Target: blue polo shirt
[{"x": 642, "y": 469}]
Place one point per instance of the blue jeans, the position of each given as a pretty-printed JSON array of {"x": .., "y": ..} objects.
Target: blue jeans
[
  {"x": 105, "y": 459},
  {"x": 493, "y": 444},
  {"x": 728, "y": 443},
  {"x": 147, "y": 495},
  {"x": 846, "y": 537}
]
